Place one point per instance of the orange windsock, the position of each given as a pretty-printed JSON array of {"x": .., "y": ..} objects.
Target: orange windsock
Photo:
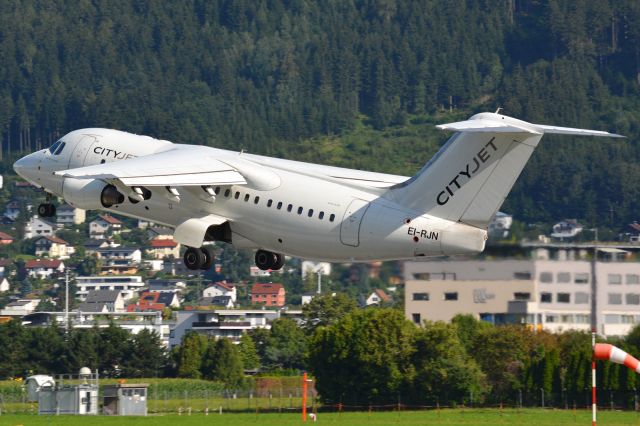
[{"x": 607, "y": 352}]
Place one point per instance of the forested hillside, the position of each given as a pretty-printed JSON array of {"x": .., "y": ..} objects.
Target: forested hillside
[{"x": 331, "y": 79}]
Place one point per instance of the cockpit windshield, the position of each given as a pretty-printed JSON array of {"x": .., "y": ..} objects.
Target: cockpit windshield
[{"x": 57, "y": 147}]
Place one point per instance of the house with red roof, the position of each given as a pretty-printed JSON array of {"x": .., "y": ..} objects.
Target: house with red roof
[
  {"x": 103, "y": 224},
  {"x": 378, "y": 297},
  {"x": 159, "y": 248},
  {"x": 154, "y": 301},
  {"x": 268, "y": 294},
  {"x": 221, "y": 288},
  {"x": 5, "y": 239},
  {"x": 44, "y": 268},
  {"x": 53, "y": 247}
]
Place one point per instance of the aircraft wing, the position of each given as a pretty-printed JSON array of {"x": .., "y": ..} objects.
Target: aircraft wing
[{"x": 184, "y": 166}]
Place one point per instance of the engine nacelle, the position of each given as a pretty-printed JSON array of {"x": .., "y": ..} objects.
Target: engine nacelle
[{"x": 90, "y": 194}]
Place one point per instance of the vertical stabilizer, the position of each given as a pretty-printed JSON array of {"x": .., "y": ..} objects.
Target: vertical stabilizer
[{"x": 469, "y": 178}]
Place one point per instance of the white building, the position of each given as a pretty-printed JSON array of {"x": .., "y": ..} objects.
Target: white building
[
  {"x": 20, "y": 307},
  {"x": 221, "y": 289},
  {"x": 129, "y": 286},
  {"x": 69, "y": 215},
  {"x": 37, "y": 226},
  {"x": 221, "y": 323},
  {"x": 554, "y": 295}
]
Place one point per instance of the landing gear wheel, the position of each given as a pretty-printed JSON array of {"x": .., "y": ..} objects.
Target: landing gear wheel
[
  {"x": 46, "y": 210},
  {"x": 278, "y": 261},
  {"x": 265, "y": 260},
  {"x": 194, "y": 258},
  {"x": 208, "y": 258}
]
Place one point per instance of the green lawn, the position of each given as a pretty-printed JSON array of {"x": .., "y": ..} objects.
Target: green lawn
[{"x": 443, "y": 417}]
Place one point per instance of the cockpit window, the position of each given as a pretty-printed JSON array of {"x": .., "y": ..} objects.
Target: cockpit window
[
  {"x": 59, "y": 149},
  {"x": 55, "y": 146}
]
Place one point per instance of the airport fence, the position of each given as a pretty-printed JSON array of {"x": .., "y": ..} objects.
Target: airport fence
[{"x": 256, "y": 400}]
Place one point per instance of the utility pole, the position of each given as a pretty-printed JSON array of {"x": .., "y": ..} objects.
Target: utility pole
[
  {"x": 319, "y": 281},
  {"x": 66, "y": 301}
]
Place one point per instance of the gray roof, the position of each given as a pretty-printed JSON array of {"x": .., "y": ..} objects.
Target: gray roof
[{"x": 102, "y": 296}]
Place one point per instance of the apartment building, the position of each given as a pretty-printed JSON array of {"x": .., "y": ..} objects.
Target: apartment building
[
  {"x": 554, "y": 295},
  {"x": 129, "y": 286}
]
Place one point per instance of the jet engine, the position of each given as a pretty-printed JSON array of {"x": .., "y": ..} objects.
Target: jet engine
[{"x": 91, "y": 194}]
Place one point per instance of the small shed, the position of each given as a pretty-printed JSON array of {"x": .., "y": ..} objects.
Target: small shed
[
  {"x": 37, "y": 382},
  {"x": 125, "y": 399}
]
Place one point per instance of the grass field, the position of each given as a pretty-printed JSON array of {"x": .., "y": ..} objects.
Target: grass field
[{"x": 443, "y": 417}]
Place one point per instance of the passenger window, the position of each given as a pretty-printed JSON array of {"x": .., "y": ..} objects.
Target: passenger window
[
  {"x": 300, "y": 210},
  {"x": 246, "y": 197},
  {"x": 279, "y": 205},
  {"x": 237, "y": 195},
  {"x": 332, "y": 217},
  {"x": 227, "y": 193},
  {"x": 255, "y": 200},
  {"x": 217, "y": 190},
  {"x": 60, "y": 148},
  {"x": 269, "y": 203},
  {"x": 321, "y": 215},
  {"x": 310, "y": 214},
  {"x": 290, "y": 207}
]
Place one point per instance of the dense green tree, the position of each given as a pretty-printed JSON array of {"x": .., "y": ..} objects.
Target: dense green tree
[
  {"x": 248, "y": 353},
  {"x": 286, "y": 345},
  {"x": 364, "y": 357},
  {"x": 228, "y": 367},
  {"x": 326, "y": 309},
  {"x": 190, "y": 355},
  {"x": 147, "y": 357}
]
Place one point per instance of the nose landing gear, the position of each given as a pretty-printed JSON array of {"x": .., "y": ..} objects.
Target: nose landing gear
[
  {"x": 198, "y": 258},
  {"x": 266, "y": 260}
]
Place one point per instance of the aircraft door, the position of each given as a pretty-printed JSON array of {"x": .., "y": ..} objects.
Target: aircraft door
[
  {"x": 84, "y": 144},
  {"x": 350, "y": 226}
]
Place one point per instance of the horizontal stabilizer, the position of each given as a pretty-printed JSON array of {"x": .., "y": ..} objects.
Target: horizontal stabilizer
[
  {"x": 485, "y": 126},
  {"x": 577, "y": 132}
]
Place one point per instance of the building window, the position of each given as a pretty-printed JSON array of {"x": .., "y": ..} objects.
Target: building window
[
  {"x": 564, "y": 277},
  {"x": 420, "y": 296},
  {"x": 546, "y": 298},
  {"x": 546, "y": 277},
  {"x": 615, "y": 298},
  {"x": 612, "y": 319},
  {"x": 451, "y": 296},
  {"x": 581, "y": 298},
  {"x": 581, "y": 278},
  {"x": 416, "y": 318},
  {"x": 568, "y": 319},
  {"x": 564, "y": 298},
  {"x": 633, "y": 279},
  {"x": 632, "y": 298},
  {"x": 614, "y": 279},
  {"x": 583, "y": 319},
  {"x": 627, "y": 319},
  {"x": 551, "y": 318},
  {"x": 522, "y": 275},
  {"x": 521, "y": 296}
]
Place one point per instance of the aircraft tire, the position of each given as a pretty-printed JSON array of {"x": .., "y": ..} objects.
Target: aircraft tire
[
  {"x": 208, "y": 258},
  {"x": 278, "y": 261},
  {"x": 265, "y": 260},
  {"x": 194, "y": 258}
]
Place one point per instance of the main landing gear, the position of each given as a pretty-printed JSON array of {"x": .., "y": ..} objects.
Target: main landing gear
[
  {"x": 47, "y": 209},
  {"x": 198, "y": 258},
  {"x": 267, "y": 260}
]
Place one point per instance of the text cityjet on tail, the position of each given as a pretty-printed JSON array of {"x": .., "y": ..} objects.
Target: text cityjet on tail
[{"x": 286, "y": 207}]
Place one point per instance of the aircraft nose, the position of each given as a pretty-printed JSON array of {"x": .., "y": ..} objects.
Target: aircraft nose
[{"x": 25, "y": 165}]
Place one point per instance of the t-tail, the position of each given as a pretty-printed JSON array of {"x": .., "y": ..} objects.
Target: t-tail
[{"x": 469, "y": 178}]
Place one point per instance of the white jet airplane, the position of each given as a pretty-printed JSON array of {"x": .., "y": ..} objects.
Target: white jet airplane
[{"x": 287, "y": 207}]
